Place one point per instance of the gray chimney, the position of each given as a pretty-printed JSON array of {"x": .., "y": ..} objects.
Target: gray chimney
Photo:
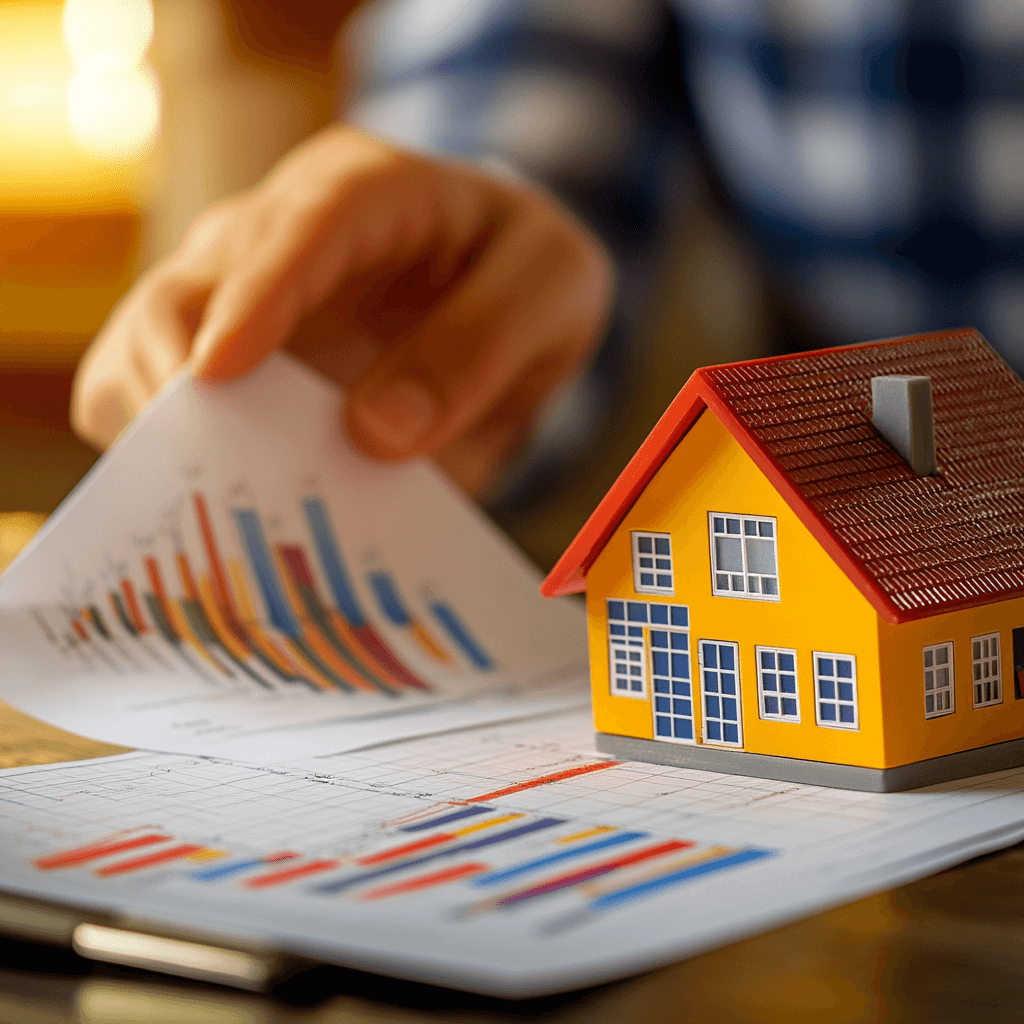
[{"x": 901, "y": 411}]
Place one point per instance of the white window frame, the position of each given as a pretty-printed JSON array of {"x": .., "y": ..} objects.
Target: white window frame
[
  {"x": 726, "y": 744},
  {"x": 628, "y": 645},
  {"x": 745, "y": 593},
  {"x": 644, "y": 588},
  {"x": 780, "y": 717},
  {"x": 978, "y": 665},
  {"x": 818, "y": 699},
  {"x": 694, "y": 683},
  {"x": 937, "y": 691}
]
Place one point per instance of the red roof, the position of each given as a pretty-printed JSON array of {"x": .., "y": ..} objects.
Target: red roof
[{"x": 914, "y": 546}]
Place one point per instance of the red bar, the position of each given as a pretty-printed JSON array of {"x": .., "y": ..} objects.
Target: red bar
[
  {"x": 401, "y": 851},
  {"x": 283, "y": 855},
  {"x": 424, "y": 881},
  {"x": 217, "y": 571},
  {"x": 594, "y": 871},
  {"x": 122, "y": 867},
  {"x": 133, "y": 605},
  {"x": 79, "y": 629},
  {"x": 569, "y": 773},
  {"x": 290, "y": 874},
  {"x": 94, "y": 851}
]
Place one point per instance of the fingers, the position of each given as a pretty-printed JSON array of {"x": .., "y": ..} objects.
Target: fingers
[{"x": 537, "y": 293}]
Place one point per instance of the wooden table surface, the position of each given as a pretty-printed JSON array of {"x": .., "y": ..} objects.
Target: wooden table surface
[{"x": 946, "y": 949}]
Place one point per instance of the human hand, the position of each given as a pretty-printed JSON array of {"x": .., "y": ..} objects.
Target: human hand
[{"x": 447, "y": 301}]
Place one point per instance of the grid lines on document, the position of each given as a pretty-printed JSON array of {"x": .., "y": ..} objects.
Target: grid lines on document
[{"x": 325, "y": 805}]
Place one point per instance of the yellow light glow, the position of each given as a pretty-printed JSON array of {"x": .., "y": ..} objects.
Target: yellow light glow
[
  {"x": 113, "y": 112},
  {"x": 108, "y": 33}
]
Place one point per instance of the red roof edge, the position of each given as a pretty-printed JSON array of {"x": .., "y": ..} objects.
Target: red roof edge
[{"x": 570, "y": 572}]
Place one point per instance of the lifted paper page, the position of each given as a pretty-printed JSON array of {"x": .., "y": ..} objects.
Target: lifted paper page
[
  {"x": 234, "y": 579},
  {"x": 510, "y": 860}
]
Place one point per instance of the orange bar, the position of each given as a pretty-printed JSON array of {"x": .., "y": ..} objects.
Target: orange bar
[
  {"x": 290, "y": 874},
  {"x": 150, "y": 860},
  {"x": 570, "y": 773},
  {"x": 79, "y": 629},
  {"x": 94, "y": 851},
  {"x": 216, "y": 563},
  {"x": 424, "y": 881},
  {"x": 252, "y": 623},
  {"x": 227, "y": 636},
  {"x": 429, "y": 644}
]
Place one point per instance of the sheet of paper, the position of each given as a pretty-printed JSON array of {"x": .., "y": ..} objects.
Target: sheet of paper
[
  {"x": 234, "y": 579},
  {"x": 507, "y": 859}
]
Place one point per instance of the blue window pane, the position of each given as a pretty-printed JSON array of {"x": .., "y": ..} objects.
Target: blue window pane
[
  {"x": 710, "y": 655},
  {"x": 663, "y": 564},
  {"x": 661, "y": 545},
  {"x": 679, "y": 642},
  {"x": 680, "y": 615},
  {"x": 663, "y": 725},
  {"x": 826, "y": 689},
  {"x": 637, "y": 685},
  {"x": 771, "y": 705},
  {"x": 844, "y": 668},
  {"x": 846, "y": 714},
  {"x": 637, "y": 611},
  {"x": 659, "y": 614},
  {"x": 662, "y": 704},
  {"x": 846, "y": 691},
  {"x": 714, "y": 731},
  {"x": 770, "y": 586},
  {"x": 765, "y": 529},
  {"x": 636, "y": 670},
  {"x": 680, "y": 688},
  {"x": 659, "y": 638},
  {"x": 665, "y": 582},
  {"x": 661, "y": 685},
  {"x": 787, "y": 663},
  {"x": 719, "y": 525},
  {"x": 732, "y": 733},
  {"x": 711, "y": 682},
  {"x": 750, "y": 528},
  {"x": 646, "y": 580},
  {"x": 729, "y": 711},
  {"x": 616, "y": 609},
  {"x": 646, "y": 563},
  {"x": 788, "y": 683},
  {"x": 682, "y": 708},
  {"x": 826, "y": 667},
  {"x": 767, "y": 659},
  {"x": 929, "y": 703},
  {"x": 728, "y": 657},
  {"x": 617, "y": 630},
  {"x": 684, "y": 729},
  {"x": 644, "y": 544},
  {"x": 732, "y": 526},
  {"x": 789, "y": 707},
  {"x": 660, "y": 660},
  {"x": 637, "y": 631},
  {"x": 711, "y": 706},
  {"x": 634, "y": 656},
  {"x": 827, "y": 712},
  {"x": 621, "y": 684},
  {"x": 728, "y": 682},
  {"x": 768, "y": 681},
  {"x": 681, "y": 666}
]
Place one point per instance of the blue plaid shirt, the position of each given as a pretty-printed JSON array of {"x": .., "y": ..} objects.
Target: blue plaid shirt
[{"x": 873, "y": 149}]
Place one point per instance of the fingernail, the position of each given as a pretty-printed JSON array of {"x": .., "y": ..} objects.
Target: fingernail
[{"x": 399, "y": 413}]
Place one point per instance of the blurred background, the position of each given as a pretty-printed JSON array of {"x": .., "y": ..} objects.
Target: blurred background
[{"x": 121, "y": 119}]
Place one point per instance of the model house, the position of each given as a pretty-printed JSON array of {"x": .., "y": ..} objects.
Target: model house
[{"x": 813, "y": 570}]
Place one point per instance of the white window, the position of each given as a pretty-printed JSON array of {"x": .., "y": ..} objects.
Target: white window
[
  {"x": 648, "y": 646},
  {"x": 744, "y": 557},
  {"x": 776, "y": 684},
  {"x": 938, "y": 680},
  {"x": 652, "y": 563},
  {"x": 987, "y": 679},
  {"x": 835, "y": 690},
  {"x": 720, "y": 692}
]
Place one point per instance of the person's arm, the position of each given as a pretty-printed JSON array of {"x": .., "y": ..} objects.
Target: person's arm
[{"x": 447, "y": 300}]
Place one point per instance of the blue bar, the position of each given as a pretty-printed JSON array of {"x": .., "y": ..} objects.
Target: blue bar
[
  {"x": 384, "y": 590},
  {"x": 636, "y": 892},
  {"x": 262, "y": 563},
  {"x": 332, "y": 562},
  {"x": 449, "y": 851},
  {"x": 224, "y": 870},
  {"x": 445, "y": 614},
  {"x": 444, "y": 819},
  {"x": 497, "y": 877}
]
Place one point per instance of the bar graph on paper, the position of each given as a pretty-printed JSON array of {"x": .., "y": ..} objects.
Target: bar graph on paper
[{"x": 235, "y": 579}]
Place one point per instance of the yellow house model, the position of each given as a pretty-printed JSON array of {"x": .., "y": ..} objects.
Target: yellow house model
[{"x": 813, "y": 570}]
